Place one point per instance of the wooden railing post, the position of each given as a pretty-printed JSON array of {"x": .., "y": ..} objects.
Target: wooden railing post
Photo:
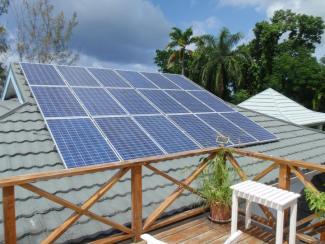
[
  {"x": 9, "y": 215},
  {"x": 284, "y": 177},
  {"x": 284, "y": 183},
  {"x": 136, "y": 189}
]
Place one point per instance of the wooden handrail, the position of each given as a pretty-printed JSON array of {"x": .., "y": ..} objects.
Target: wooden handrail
[
  {"x": 139, "y": 226},
  {"x": 41, "y": 176},
  {"x": 279, "y": 160}
]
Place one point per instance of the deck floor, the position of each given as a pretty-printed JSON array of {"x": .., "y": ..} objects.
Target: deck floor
[{"x": 202, "y": 230}]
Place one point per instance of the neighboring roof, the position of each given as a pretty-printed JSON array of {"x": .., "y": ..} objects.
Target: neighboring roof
[
  {"x": 273, "y": 103},
  {"x": 26, "y": 146}
]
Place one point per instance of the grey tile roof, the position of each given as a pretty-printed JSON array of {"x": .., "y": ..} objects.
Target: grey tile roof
[
  {"x": 26, "y": 147},
  {"x": 275, "y": 104}
]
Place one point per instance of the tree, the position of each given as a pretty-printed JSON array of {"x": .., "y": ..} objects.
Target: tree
[
  {"x": 286, "y": 31},
  {"x": 42, "y": 36},
  {"x": 3, "y": 41},
  {"x": 179, "y": 41},
  {"x": 282, "y": 57},
  {"x": 220, "y": 62},
  {"x": 161, "y": 60}
]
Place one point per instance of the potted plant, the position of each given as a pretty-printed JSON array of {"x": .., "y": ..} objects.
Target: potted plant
[
  {"x": 215, "y": 189},
  {"x": 316, "y": 201}
]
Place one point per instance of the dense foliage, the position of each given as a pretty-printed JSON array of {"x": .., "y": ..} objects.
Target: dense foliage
[
  {"x": 316, "y": 202},
  {"x": 281, "y": 55}
]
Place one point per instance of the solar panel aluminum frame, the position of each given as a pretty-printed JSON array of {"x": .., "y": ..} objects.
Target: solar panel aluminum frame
[
  {"x": 242, "y": 144},
  {"x": 127, "y": 115},
  {"x": 190, "y": 81},
  {"x": 109, "y": 144},
  {"x": 138, "y": 90}
]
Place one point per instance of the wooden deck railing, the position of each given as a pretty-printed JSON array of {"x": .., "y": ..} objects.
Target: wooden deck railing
[{"x": 138, "y": 225}]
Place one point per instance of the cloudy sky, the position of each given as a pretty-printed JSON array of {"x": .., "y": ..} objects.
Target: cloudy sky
[{"x": 125, "y": 33}]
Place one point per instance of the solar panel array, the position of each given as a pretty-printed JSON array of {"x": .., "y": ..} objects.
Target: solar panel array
[{"x": 98, "y": 115}]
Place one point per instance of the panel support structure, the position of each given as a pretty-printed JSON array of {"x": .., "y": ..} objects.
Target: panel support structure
[{"x": 136, "y": 189}]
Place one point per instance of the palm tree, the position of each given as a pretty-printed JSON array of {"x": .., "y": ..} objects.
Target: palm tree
[
  {"x": 219, "y": 62},
  {"x": 179, "y": 41}
]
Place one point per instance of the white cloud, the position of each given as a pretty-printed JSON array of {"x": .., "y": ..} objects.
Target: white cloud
[
  {"x": 310, "y": 7},
  {"x": 205, "y": 26},
  {"x": 118, "y": 31},
  {"x": 91, "y": 61}
]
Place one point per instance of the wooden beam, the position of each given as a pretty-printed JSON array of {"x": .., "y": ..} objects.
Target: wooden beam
[
  {"x": 297, "y": 163},
  {"x": 75, "y": 207},
  {"x": 9, "y": 215},
  {"x": 172, "y": 197},
  {"x": 306, "y": 238},
  {"x": 284, "y": 183},
  {"x": 113, "y": 239},
  {"x": 265, "y": 171},
  {"x": 236, "y": 166},
  {"x": 284, "y": 177},
  {"x": 179, "y": 183},
  {"x": 306, "y": 220},
  {"x": 178, "y": 217},
  {"x": 136, "y": 191},
  {"x": 29, "y": 178},
  {"x": 304, "y": 179},
  {"x": 312, "y": 226},
  {"x": 322, "y": 236},
  {"x": 93, "y": 199}
]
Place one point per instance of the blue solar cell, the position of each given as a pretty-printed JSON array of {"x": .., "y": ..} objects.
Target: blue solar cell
[
  {"x": 169, "y": 137},
  {"x": 160, "y": 81},
  {"x": 182, "y": 82},
  {"x": 189, "y": 101},
  {"x": 202, "y": 133},
  {"x": 164, "y": 102},
  {"x": 212, "y": 101},
  {"x": 133, "y": 102},
  {"x": 57, "y": 102},
  {"x": 80, "y": 143},
  {"x": 249, "y": 126},
  {"x": 136, "y": 79},
  {"x": 77, "y": 76},
  {"x": 127, "y": 138},
  {"x": 108, "y": 77},
  {"x": 41, "y": 74},
  {"x": 98, "y": 101},
  {"x": 223, "y": 126}
]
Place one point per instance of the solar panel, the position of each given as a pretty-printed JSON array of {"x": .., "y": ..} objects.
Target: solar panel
[
  {"x": 164, "y": 102},
  {"x": 129, "y": 116},
  {"x": 127, "y": 138},
  {"x": 77, "y": 76},
  {"x": 160, "y": 81},
  {"x": 57, "y": 102},
  {"x": 98, "y": 101},
  {"x": 201, "y": 132},
  {"x": 41, "y": 74},
  {"x": 170, "y": 138},
  {"x": 136, "y": 79},
  {"x": 212, "y": 101},
  {"x": 249, "y": 126},
  {"x": 80, "y": 143},
  {"x": 227, "y": 129},
  {"x": 133, "y": 102},
  {"x": 182, "y": 82},
  {"x": 189, "y": 102},
  {"x": 108, "y": 78}
]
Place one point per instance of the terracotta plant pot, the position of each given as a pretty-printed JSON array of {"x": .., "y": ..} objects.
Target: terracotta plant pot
[{"x": 220, "y": 213}]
